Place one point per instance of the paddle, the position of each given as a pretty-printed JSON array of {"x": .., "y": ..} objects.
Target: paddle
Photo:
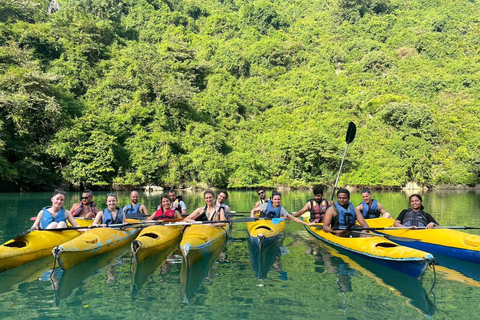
[
  {"x": 351, "y": 131},
  {"x": 113, "y": 226},
  {"x": 422, "y": 228},
  {"x": 386, "y": 236},
  {"x": 207, "y": 222}
]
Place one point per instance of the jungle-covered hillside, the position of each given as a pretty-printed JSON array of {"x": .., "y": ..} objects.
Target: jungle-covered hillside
[{"x": 238, "y": 93}]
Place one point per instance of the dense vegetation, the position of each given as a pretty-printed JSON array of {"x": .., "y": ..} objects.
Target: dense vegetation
[{"x": 239, "y": 93}]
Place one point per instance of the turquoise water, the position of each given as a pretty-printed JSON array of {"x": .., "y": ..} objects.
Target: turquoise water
[{"x": 301, "y": 278}]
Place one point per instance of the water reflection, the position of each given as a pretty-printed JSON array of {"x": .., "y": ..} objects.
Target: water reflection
[
  {"x": 158, "y": 263},
  {"x": 76, "y": 277},
  {"x": 458, "y": 270},
  {"x": 12, "y": 279},
  {"x": 263, "y": 260},
  {"x": 192, "y": 277},
  {"x": 346, "y": 265}
]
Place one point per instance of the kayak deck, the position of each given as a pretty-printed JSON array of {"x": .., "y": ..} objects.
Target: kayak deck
[
  {"x": 92, "y": 243},
  {"x": 409, "y": 261},
  {"x": 264, "y": 233},
  {"x": 448, "y": 242},
  {"x": 154, "y": 239}
]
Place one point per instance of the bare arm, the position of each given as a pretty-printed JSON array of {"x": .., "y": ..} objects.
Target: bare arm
[
  {"x": 384, "y": 212},
  {"x": 295, "y": 219},
  {"x": 98, "y": 218},
  {"x": 37, "y": 221},
  {"x": 327, "y": 221},
  {"x": 143, "y": 210},
  {"x": 74, "y": 207},
  {"x": 71, "y": 219},
  {"x": 305, "y": 208},
  {"x": 360, "y": 219},
  {"x": 193, "y": 215}
]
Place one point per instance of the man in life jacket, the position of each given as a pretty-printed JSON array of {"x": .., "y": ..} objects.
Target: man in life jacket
[
  {"x": 263, "y": 197},
  {"x": 177, "y": 202},
  {"x": 86, "y": 208},
  {"x": 342, "y": 215},
  {"x": 135, "y": 210},
  {"x": 370, "y": 208},
  {"x": 316, "y": 206}
]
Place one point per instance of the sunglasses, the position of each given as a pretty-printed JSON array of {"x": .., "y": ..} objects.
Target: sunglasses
[
  {"x": 261, "y": 192},
  {"x": 83, "y": 198}
]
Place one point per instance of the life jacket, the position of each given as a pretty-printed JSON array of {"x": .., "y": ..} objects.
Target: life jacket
[
  {"x": 345, "y": 218},
  {"x": 317, "y": 210},
  {"x": 47, "y": 217},
  {"x": 108, "y": 219},
  {"x": 203, "y": 216},
  {"x": 132, "y": 212},
  {"x": 176, "y": 204},
  {"x": 160, "y": 215},
  {"x": 372, "y": 211},
  {"x": 80, "y": 208},
  {"x": 271, "y": 212},
  {"x": 413, "y": 218}
]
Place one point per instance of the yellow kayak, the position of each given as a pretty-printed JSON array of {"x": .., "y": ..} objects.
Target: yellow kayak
[
  {"x": 264, "y": 233},
  {"x": 91, "y": 244},
  {"x": 32, "y": 246},
  {"x": 409, "y": 261},
  {"x": 447, "y": 242},
  {"x": 200, "y": 240},
  {"x": 154, "y": 239}
]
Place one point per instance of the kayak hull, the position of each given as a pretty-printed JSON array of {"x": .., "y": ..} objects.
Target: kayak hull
[
  {"x": 406, "y": 260},
  {"x": 201, "y": 240},
  {"x": 155, "y": 239},
  {"x": 91, "y": 244},
  {"x": 32, "y": 246},
  {"x": 447, "y": 242},
  {"x": 264, "y": 233}
]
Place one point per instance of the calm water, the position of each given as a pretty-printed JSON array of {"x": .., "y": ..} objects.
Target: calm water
[{"x": 301, "y": 278}]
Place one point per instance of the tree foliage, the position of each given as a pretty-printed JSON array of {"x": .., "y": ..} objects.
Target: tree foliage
[{"x": 109, "y": 93}]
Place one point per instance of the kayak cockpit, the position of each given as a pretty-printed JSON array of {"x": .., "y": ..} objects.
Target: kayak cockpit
[{"x": 386, "y": 245}]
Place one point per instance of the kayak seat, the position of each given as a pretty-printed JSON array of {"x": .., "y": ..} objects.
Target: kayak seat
[
  {"x": 16, "y": 244},
  {"x": 386, "y": 244},
  {"x": 150, "y": 235}
]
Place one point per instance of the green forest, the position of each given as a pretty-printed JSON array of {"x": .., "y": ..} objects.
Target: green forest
[{"x": 238, "y": 93}]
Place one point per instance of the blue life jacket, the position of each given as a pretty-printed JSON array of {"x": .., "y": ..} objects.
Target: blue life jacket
[
  {"x": 345, "y": 218},
  {"x": 372, "y": 212},
  {"x": 271, "y": 213},
  {"x": 47, "y": 217},
  {"x": 108, "y": 219},
  {"x": 413, "y": 218},
  {"x": 132, "y": 212}
]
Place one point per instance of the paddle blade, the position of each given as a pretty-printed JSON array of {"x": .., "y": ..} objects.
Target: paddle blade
[
  {"x": 277, "y": 220},
  {"x": 352, "y": 130}
]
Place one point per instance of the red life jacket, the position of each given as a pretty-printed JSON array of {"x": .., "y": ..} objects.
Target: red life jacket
[
  {"x": 160, "y": 215},
  {"x": 317, "y": 210}
]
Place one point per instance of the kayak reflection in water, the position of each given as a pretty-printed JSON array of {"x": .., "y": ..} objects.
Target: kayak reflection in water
[
  {"x": 415, "y": 216},
  {"x": 54, "y": 217},
  {"x": 342, "y": 215}
]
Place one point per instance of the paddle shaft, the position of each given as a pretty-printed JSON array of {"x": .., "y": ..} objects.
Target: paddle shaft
[
  {"x": 351, "y": 131},
  {"x": 386, "y": 236}
]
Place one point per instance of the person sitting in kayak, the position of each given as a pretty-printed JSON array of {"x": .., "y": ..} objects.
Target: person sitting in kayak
[
  {"x": 177, "y": 201},
  {"x": 86, "y": 208},
  {"x": 222, "y": 195},
  {"x": 342, "y": 215},
  {"x": 415, "y": 217},
  {"x": 54, "y": 217},
  {"x": 165, "y": 211},
  {"x": 135, "y": 210},
  {"x": 370, "y": 208},
  {"x": 263, "y": 197},
  {"x": 273, "y": 209},
  {"x": 208, "y": 212},
  {"x": 111, "y": 214},
  {"x": 316, "y": 206}
]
